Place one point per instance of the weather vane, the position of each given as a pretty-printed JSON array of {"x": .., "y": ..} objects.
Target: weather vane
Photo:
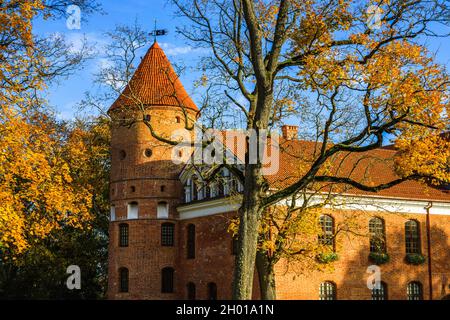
[{"x": 158, "y": 32}]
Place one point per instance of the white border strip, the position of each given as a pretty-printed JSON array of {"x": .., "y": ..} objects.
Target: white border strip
[
  {"x": 223, "y": 205},
  {"x": 207, "y": 208}
]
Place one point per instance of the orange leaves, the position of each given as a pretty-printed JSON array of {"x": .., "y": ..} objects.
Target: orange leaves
[
  {"x": 266, "y": 11},
  {"x": 38, "y": 194},
  {"x": 316, "y": 27},
  {"x": 424, "y": 152},
  {"x": 17, "y": 53}
]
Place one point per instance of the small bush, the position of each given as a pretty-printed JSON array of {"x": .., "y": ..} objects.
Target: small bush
[
  {"x": 379, "y": 257},
  {"x": 327, "y": 257},
  {"x": 415, "y": 258}
]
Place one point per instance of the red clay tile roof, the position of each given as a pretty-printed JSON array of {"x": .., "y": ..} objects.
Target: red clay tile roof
[
  {"x": 154, "y": 83},
  {"x": 370, "y": 168}
]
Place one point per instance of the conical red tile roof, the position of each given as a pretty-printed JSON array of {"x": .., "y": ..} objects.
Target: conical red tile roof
[{"x": 154, "y": 83}]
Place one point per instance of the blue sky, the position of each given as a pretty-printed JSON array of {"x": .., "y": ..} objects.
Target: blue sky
[{"x": 64, "y": 96}]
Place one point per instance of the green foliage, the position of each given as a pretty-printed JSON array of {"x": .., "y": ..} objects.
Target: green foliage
[
  {"x": 327, "y": 257},
  {"x": 379, "y": 257},
  {"x": 41, "y": 272},
  {"x": 415, "y": 258}
]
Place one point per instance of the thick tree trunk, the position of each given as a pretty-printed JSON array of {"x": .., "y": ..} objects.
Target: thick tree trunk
[
  {"x": 266, "y": 276},
  {"x": 249, "y": 215},
  {"x": 245, "y": 259},
  {"x": 250, "y": 212}
]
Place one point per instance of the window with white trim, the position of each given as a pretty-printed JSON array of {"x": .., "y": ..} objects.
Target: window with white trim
[
  {"x": 132, "y": 210},
  {"x": 162, "y": 210}
]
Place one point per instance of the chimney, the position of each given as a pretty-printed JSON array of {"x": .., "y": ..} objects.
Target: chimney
[{"x": 289, "y": 132}]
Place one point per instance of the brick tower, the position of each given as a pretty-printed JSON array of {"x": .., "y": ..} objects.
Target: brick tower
[{"x": 145, "y": 188}]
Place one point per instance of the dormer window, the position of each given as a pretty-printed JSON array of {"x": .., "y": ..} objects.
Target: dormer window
[
  {"x": 194, "y": 188},
  {"x": 226, "y": 178},
  {"x": 187, "y": 191},
  {"x": 213, "y": 190},
  {"x": 224, "y": 184}
]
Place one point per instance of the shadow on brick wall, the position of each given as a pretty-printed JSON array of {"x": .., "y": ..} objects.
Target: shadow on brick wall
[{"x": 397, "y": 273}]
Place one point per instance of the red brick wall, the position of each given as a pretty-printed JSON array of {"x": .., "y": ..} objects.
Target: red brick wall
[
  {"x": 145, "y": 257},
  {"x": 214, "y": 261}
]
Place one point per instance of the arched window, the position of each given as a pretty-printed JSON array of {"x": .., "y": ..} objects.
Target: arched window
[
  {"x": 377, "y": 235},
  {"x": 327, "y": 291},
  {"x": 112, "y": 213},
  {"x": 190, "y": 291},
  {"x": 226, "y": 181},
  {"x": 123, "y": 235},
  {"x": 167, "y": 234},
  {"x": 123, "y": 280},
  {"x": 167, "y": 280},
  {"x": 380, "y": 292},
  {"x": 414, "y": 291},
  {"x": 133, "y": 210},
  {"x": 233, "y": 182},
  {"x": 327, "y": 225},
  {"x": 412, "y": 237},
  {"x": 178, "y": 119},
  {"x": 212, "y": 291},
  {"x": 162, "y": 211},
  {"x": 188, "y": 191},
  {"x": 190, "y": 241}
]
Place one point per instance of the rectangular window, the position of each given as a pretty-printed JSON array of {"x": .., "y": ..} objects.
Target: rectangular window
[
  {"x": 327, "y": 291},
  {"x": 132, "y": 211},
  {"x": 167, "y": 234},
  {"x": 123, "y": 274},
  {"x": 167, "y": 280},
  {"x": 191, "y": 241},
  {"x": 327, "y": 236},
  {"x": 123, "y": 235},
  {"x": 412, "y": 237}
]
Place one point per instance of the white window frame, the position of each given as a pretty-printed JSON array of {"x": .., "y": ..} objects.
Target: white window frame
[
  {"x": 162, "y": 210},
  {"x": 132, "y": 211}
]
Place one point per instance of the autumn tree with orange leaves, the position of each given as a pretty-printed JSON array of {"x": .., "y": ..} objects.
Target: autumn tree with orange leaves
[
  {"x": 38, "y": 190},
  {"x": 358, "y": 74}
]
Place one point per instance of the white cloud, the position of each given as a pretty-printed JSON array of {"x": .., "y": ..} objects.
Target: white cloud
[
  {"x": 173, "y": 50},
  {"x": 92, "y": 39}
]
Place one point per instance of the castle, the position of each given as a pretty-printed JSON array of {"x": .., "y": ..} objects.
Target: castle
[{"x": 169, "y": 237}]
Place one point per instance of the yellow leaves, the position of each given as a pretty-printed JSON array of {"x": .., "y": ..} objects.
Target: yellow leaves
[
  {"x": 424, "y": 152},
  {"x": 266, "y": 11},
  {"x": 41, "y": 188},
  {"x": 18, "y": 54},
  {"x": 233, "y": 226},
  {"x": 203, "y": 81},
  {"x": 38, "y": 193}
]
